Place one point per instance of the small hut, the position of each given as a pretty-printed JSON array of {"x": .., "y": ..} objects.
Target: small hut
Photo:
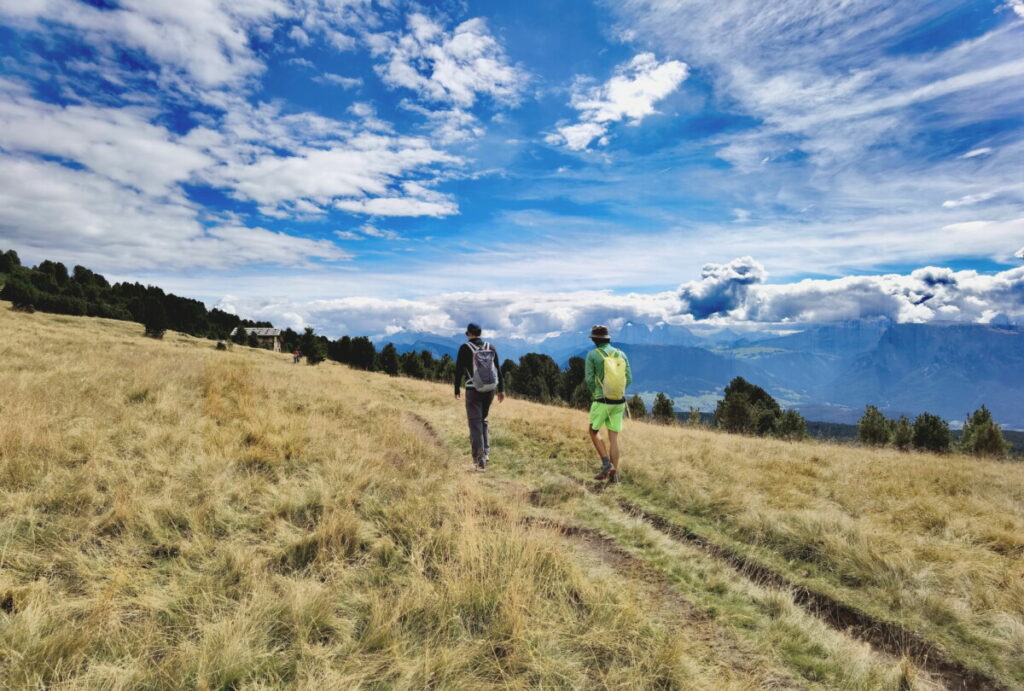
[{"x": 268, "y": 337}]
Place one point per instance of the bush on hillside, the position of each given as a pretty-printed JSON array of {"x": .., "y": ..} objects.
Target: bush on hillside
[
  {"x": 873, "y": 429},
  {"x": 931, "y": 433},
  {"x": 21, "y": 295},
  {"x": 313, "y": 347},
  {"x": 791, "y": 425},
  {"x": 903, "y": 434},
  {"x": 694, "y": 419},
  {"x": 982, "y": 436}
]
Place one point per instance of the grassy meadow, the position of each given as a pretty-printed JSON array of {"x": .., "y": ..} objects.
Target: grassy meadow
[{"x": 173, "y": 516}]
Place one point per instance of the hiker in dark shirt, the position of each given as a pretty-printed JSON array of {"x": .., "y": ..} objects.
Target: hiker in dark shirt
[{"x": 476, "y": 369}]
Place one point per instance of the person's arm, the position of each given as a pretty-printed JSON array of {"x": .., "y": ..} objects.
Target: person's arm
[
  {"x": 461, "y": 364},
  {"x": 501, "y": 377},
  {"x": 589, "y": 375}
]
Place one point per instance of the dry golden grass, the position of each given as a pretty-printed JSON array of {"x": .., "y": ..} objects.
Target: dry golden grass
[
  {"x": 172, "y": 516},
  {"x": 176, "y": 517},
  {"x": 935, "y": 543}
]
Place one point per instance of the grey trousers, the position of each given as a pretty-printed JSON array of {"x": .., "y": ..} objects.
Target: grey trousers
[{"x": 477, "y": 407}]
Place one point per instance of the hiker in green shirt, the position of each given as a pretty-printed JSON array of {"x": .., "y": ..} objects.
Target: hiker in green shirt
[{"x": 607, "y": 375}]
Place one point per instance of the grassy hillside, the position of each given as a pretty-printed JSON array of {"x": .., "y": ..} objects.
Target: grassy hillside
[{"x": 176, "y": 516}]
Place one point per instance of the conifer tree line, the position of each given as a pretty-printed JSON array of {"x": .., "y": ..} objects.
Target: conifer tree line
[
  {"x": 981, "y": 436},
  {"x": 50, "y": 287}
]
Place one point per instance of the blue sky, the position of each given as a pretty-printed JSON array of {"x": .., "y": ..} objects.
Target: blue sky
[{"x": 373, "y": 166}]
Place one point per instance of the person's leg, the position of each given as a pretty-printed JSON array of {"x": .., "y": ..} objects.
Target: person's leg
[
  {"x": 485, "y": 436},
  {"x": 614, "y": 426},
  {"x": 474, "y": 418},
  {"x": 595, "y": 437},
  {"x": 598, "y": 413}
]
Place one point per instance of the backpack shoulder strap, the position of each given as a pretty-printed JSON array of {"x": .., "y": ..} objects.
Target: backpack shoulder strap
[{"x": 472, "y": 346}]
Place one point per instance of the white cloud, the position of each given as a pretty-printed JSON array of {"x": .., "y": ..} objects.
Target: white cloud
[
  {"x": 120, "y": 143},
  {"x": 397, "y": 206},
  {"x": 629, "y": 95},
  {"x": 974, "y": 153},
  {"x": 927, "y": 294},
  {"x": 205, "y": 39},
  {"x": 722, "y": 288},
  {"x": 100, "y": 223},
  {"x": 1019, "y": 254},
  {"x": 1017, "y": 6},
  {"x": 338, "y": 80},
  {"x": 367, "y": 230},
  {"x": 968, "y": 200},
  {"x": 454, "y": 68},
  {"x": 299, "y": 36}
]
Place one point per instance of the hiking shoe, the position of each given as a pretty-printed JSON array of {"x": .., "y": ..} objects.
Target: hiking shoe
[
  {"x": 613, "y": 476},
  {"x": 606, "y": 470}
]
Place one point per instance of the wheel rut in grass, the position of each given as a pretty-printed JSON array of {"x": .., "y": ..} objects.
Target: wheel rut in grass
[
  {"x": 700, "y": 626},
  {"x": 885, "y": 636}
]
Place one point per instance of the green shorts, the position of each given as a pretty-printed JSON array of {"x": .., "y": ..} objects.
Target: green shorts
[{"x": 609, "y": 415}]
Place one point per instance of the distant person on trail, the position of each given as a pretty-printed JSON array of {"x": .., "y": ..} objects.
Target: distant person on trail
[
  {"x": 296, "y": 356},
  {"x": 606, "y": 376},
  {"x": 476, "y": 368}
]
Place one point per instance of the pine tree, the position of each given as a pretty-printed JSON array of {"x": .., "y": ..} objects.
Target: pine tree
[
  {"x": 389, "y": 360},
  {"x": 637, "y": 408},
  {"x": 982, "y": 436},
  {"x": 902, "y": 434},
  {"x": 581, "y": 398},
  {"x": 412, "y": 365},
  {"x": 931, "y": 433},
  {"x": 155, "y": 321},
  {"x": 663, "y": 410},
  {"x": 253, "y": 341},
  {"x": 364, "y": 353},
  {"x": 873, "y": 429},
  {"x": 572, "y": 379}
]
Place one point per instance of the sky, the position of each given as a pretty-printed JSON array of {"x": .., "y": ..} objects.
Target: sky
[{"x": 538, "y": 166}]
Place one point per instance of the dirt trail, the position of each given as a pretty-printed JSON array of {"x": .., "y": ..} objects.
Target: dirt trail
[{"x": 887, "y": 637}]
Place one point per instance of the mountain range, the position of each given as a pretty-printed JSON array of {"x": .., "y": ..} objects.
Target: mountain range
[{"x": 828, "y": 372}]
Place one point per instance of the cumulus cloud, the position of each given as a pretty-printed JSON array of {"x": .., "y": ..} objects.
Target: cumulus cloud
[
  {"x": 732, "y": 294},
  {"x": 119, "y": 143},
  {"x": 98, "y": 222},
  {"x": 629, "y": 95},
  {"x": 506, "y": 314},
  {"x": 204, "y": 39},
  {"x": 448, "y": 67},
  {"x": 1016, "y": 6},
  {"x": 722, "y": 288}
]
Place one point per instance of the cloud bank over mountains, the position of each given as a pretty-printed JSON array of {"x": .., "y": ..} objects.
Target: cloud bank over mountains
[{"x": 733, "y": 294}]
